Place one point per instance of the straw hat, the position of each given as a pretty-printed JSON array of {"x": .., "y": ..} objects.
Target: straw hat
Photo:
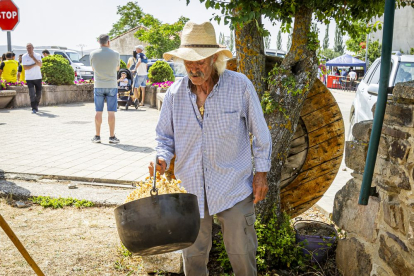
[{"x": 198, "y": 41}]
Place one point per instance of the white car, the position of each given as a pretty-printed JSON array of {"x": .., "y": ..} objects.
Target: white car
[
  {"x": 82, "y": 71},
  {"x": 402, "y": 70}
]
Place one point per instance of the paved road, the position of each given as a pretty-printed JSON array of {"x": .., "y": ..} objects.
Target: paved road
[{"x": 56, "y": 142}]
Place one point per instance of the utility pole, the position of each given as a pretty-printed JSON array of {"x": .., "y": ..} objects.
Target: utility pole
[
  {"x": 9, "y": 45},
  {"x": 81, "y": 46}
]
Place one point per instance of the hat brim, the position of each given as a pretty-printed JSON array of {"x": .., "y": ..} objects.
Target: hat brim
[{"x": 194, "y": 54}]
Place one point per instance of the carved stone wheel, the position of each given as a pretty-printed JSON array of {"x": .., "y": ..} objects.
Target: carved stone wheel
[{"x": 316, "y": 150}]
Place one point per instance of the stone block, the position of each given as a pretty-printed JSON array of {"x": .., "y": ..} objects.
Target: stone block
[
  {"x": 390, "y": 177},
  {"x": 404, "y": 91},
  {"x": 395, "y": 257},
  {"x": 399, "y": 150},
  {"x": 396, "y": 133},
  {"x": 362, "y": 130},
  {"x": 351, "y": 217},
  {"x": 169, "y": 262},
  {"x": 379, "y": 271},
  {"x": 410, "y": 234},
  {"x": 356, "y": 155},
  {"x": 352, "y": 259},
  {"x": 399, "y": 114},
  {"x": 394, "y": 215},
  {"x": 6, "y": 96},
  {"x": 383, "y": 148}
]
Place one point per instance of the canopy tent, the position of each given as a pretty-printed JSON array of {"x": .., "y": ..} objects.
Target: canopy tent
[{"x": 347, "y": 60}]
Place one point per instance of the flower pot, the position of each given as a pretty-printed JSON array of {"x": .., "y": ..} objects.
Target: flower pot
[{"x": 318, "y": 238}]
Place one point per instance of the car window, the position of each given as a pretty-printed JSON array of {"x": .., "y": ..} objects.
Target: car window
[
  {"x": 75, "y": 57},
  {"x": 61, "y": 54},
  {"x": 405, "y": 72},
  {"x": 376, "y": 75},
  {"x": 369, "y": 72}
]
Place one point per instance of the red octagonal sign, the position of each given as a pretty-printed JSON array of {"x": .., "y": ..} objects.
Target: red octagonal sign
[{"x": 9, "y": 15}]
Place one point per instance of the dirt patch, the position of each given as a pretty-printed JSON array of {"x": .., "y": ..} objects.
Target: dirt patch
[
  {"x": 316, "y": 229},
  {"x": 66, "y": 241}
]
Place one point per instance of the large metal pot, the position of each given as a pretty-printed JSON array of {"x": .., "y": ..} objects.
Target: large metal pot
[{"x": 159, "y": 223}]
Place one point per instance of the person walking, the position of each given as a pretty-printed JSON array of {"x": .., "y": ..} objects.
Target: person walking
[
  {"x": 105, "y": 64},
  {"x": 8, "y": 69},
  {"x": 205, "y": 121},
  {"x": 32, "y": 62},
  {"x": 20, "y": 71}
]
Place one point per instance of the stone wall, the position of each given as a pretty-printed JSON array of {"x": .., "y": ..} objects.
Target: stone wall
[
  {"x": 125, "y": 44},
  {"x": 54, "y": 95},
  {"x": 380, "y": 236}
]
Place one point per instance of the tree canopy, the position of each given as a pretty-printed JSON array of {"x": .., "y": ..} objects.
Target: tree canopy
[
  {"x": 130, "y": 14},
  {"x": 160, "y": 37}
]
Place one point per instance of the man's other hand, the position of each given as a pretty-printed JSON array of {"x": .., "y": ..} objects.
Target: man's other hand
[
  {"x": 161, "y": 166},
  {"x": 260, "y": 186}
]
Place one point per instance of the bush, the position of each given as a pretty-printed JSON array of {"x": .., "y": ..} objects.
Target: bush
[
  {"x": 160, "y": 71},
  {"x": 122, "y": 65},
  {"x": 56, "y": 70}
]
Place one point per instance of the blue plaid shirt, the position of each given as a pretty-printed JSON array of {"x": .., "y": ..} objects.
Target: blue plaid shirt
[{"x": 214, "y": 152}]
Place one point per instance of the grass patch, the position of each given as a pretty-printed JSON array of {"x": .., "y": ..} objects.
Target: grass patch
[{"x": 47, "y": 201}]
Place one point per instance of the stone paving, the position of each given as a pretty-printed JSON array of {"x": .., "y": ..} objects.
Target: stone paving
[{"x": 57, "y": 141}]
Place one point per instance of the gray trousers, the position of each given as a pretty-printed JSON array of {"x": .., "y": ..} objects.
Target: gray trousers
[{"x": 237, "y": 225}]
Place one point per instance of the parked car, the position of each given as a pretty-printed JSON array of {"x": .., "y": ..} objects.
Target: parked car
[
  {"x": 177, "y": 67},
  {"x": 82, "y": 71},
  {"x": 275, "y": 53},
  {"x": 402, "y": 70}
]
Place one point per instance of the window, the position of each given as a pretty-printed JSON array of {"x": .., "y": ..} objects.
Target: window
[
  {"x": 61, "y": 54},
  {"x": 75, "y": 57},
  {"x": 369, "y": 72},
  {"x": 376, "y": 75},
  {"x": 405, "y": 72}
]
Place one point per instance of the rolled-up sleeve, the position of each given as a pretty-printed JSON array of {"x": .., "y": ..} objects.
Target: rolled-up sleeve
[
  {"x": 262, "y": 141},
  {"x": 165, "y": 130}
]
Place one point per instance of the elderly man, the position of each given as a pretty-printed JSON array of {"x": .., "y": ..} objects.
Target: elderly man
[
  {"x": 32, "y": 62},
  {"x": 205, "y": 121}
]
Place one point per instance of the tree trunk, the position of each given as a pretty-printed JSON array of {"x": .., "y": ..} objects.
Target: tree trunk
[
  {"x": 301, "y": 63},
  {"x": 250, "y": 54}
]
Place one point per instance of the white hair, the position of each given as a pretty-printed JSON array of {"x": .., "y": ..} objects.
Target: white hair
[{"x": 220, "y": 65}]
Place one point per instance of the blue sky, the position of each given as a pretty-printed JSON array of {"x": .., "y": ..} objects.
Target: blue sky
[{"x": 75, "y": 22}]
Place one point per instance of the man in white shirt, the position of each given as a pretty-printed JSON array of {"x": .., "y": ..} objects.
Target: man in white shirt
[
  {"x": 32, "y": 62},
  {"x": 141, "y": 76},
  {"x": 352, "y": 75}
]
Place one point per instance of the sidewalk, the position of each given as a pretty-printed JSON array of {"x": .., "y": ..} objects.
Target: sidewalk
[{"x": 57, "y": 141}]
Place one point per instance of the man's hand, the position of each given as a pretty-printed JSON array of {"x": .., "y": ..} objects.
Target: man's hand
[
  {"x": 161, "y": 166},
  {"x": 260, "y": 186}
]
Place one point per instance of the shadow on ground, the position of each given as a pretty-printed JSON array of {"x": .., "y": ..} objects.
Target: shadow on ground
[
  {"x": 126, "y": 147},
  {"x": 45, "y": 113}
]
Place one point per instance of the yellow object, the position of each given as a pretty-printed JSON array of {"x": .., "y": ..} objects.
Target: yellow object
[
  {"x": 22, "y": 75},
  {"x": 163, "y": 185},
  {"x": 9, "y": 73}
]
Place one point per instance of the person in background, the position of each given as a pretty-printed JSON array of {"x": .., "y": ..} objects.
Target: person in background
[
  {"x": 45, "y": 53},
  {"x": 20, "y": 70},
  {"x": 105, "y": 64},
  {"x": 32, "y": 62},
  {"x": 132, "y": 67},
  {"x": 352, "y": 74},
  {"x": 141, "y": 77},
  {"x": 8, "y": 68},
  {"x": 123, "y": 82},
  {"x": 336, "y": 70},
  {"x": 3, "y": 57}
]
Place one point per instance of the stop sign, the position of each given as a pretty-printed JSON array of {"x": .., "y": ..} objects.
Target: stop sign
[{"x": 9, "y": 15}]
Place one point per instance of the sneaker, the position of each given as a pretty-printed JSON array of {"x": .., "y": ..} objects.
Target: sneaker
[
  {"x": 96, "y": 139},
  {"x": 113, "y": 140},
  {"x": 34, "y": 111}
]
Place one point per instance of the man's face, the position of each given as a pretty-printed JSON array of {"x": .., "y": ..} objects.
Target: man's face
[
  {"x": 45, "y": 54},
  {"x": 199, "y": 71},
  {"x": 29, "y": 48},
  {"x": 138, "y": 50}
]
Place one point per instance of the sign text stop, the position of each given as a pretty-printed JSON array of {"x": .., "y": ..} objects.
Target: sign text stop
[{"x": 9, "y": 15}]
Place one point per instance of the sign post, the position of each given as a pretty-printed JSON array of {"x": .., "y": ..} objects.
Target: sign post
[{"x": 9, "y": 18}]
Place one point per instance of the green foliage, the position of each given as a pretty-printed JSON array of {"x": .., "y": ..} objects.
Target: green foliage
[
  {"x": 374, "y": 48},
  {"x": 279, "y": 40},
  {"x": 47, "y": 201},
  {"x": 289, "y": 42},
  {"x": 160, "y": 37},
  {"x": 339, "y": 46},
  {"x": 130, "y": 14},
  {"x": 284, "y": 11},
  {"x": 160, "y": 71},
  {"x": 277, "y": 246},
  {"x": 231, "y": 42},
  {"x": 411, "y": 51},
  {"x": 122, "y": 65},
  {"x": 267, "y": 41},
  {"x": 313, "y": 40},
  {"x": 328, "y": 54},
  {"x": 56, "y": 70},
  {"x": 326, "y": 39}
]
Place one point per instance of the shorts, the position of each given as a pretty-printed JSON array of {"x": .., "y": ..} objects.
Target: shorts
[
  {"x": 110, "y": 94},
  {"x": 140, "y": 81}
]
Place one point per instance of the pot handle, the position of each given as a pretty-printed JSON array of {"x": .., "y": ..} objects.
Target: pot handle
[{"x": 154, "y": 190}]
